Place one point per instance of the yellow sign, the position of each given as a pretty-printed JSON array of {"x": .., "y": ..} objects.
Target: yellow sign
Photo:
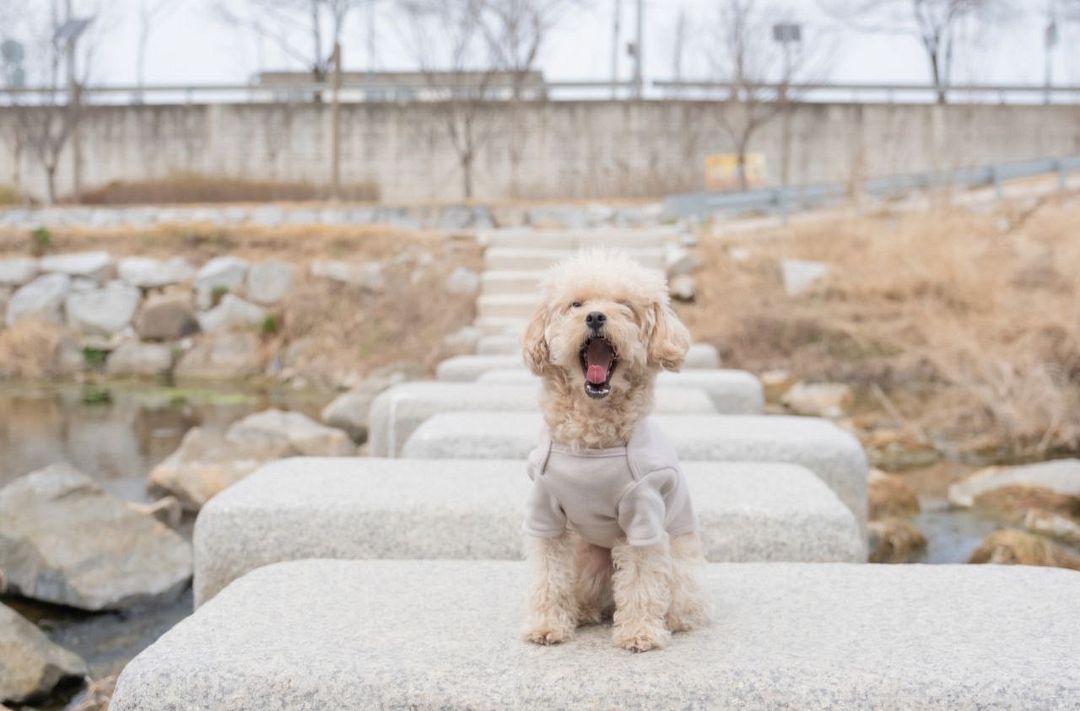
[{"x": 722, "y": 171}]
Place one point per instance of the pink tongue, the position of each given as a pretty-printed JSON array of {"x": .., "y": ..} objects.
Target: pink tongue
[
  {"x": 598, "y": 359},
  {"x": 596, "y": 374}
]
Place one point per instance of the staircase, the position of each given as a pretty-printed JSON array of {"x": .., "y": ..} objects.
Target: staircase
[{"x": 395, "y": 580}]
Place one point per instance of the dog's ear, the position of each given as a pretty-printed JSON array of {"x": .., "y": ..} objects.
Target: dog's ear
[
  {"x": 534, "y": 345},
  {"x": 668, "y": 338}
]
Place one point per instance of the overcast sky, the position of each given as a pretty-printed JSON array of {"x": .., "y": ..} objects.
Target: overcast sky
[{"x": 189, "y": 45}]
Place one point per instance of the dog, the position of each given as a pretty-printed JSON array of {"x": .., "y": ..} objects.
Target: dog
[{"x": 610, "y": 528}]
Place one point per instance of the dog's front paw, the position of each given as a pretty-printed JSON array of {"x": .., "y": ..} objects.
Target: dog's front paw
[
  {"x": 546, "y": 633},
  {"x": 641, "y": 638}
]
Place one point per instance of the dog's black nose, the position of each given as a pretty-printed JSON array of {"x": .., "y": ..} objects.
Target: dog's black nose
[{"x": 595, "y": 320}]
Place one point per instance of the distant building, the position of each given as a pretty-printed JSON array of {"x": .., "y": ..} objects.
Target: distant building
[{"x": 408, "y": 86}]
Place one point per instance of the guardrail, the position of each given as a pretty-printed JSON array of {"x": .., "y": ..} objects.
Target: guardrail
[
  {"x": 583, "y": 90},
  {"x": 785, "y": 200}
]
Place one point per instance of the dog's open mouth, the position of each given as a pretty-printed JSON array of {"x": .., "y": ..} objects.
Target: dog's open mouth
[{"x": 598, "y": 361}]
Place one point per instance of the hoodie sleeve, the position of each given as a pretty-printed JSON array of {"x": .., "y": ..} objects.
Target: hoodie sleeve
[
  {"x": 544, "y": 517},
  {"x": 642, "y": 509}
]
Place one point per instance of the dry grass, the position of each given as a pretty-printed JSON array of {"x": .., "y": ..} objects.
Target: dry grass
[
  {"x": 187, "y": 188},
  {"x": 28, "y": 349},
  {"x": 970, "y": 323}
]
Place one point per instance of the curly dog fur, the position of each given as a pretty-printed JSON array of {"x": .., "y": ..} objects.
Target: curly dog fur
[{"x": 648, "y": 591}]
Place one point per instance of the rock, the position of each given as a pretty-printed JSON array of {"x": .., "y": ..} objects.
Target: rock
[
  {"x": 683, "y": 288},
  {"x": 232, "y": 312},
  {"x": 473, "y": 510},
  {"x": 139, "y": 359},
  {"x": 799, "y": 275},
  {"x": 890, "y": 496},
  {"x": 97, "y": 266},
  {"x": 302, "y": 434},
  {"x": 150, "y": 273},
  {"x": 168, "y": 510},
  {"x": 64, "y": 540},
  {"x": 166, "y": 317},
  {"x": 221, "y": 273},
  {"x": 269, "y": 282},
  {"x": 462, "y": 341},
  {"x": 463, "y": 281},
  {"x": 222, "y": 356},
  {"x": 17, "y": 271},
  {"x": 404, "y": 634},
  {"x": 30, "y": 665},
  {"x": 776, "y": 384},
  {"x": 206, "y": 463},
  {"x": 894, "y": 540},
  {"x": 368, "y": 277},
  {"x": 1014, "y": 501},
  {"x": 739, "y": 254},
  {"x": 106, "y": 311},
  {"x": 1011, "y": 547},
  {"x": 40, "y": 299},
  {"x": 680, "y": 261},
  {"x": 1062, "y": 476},
  {"x": 819, "y": 399},
  {"x": 1053, "y": 525},
  {"x": 896, "y": 449},
  {"x": 350, "y": 410}
]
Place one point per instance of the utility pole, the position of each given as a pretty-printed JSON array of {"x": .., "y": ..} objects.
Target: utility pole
[
  {"x": 788, "y": 35},
  {"x": 615, "y": 39},
  {"x": 1051, "y": 42},
  {"x": 335, "y": 125},
  {"x": 680, "y": 40},
  {"x": 639, "y": 82},
  {"x": 74, "y": 97}
]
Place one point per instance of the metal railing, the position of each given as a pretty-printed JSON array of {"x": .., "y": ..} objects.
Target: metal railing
[
  {"x": 785, "y": 200},
  {"x": 583, "y": 90}
]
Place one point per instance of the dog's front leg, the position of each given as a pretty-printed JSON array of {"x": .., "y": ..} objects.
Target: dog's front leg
[
  {"x": 553, "y": 609},
  {"x": 690, "y": 605},
  {"x": 642, "y": 588}
]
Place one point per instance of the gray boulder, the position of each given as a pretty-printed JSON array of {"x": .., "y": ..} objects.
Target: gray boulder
[
  {"x": 463, "y": 281},
  {"x": 799, "y": 274},
  {"x": 166, "y": 317},
  {"x": 41, "y": 299},
  {"x": 64, "y": 540},
  {"x": 269, "y": 282},
  {"x": 1061, "y": 476},
  {"x": 222, "y": 356},
  {"x": 30, "y": 665},
  {"x": 349, "y": 411},
  {"x": 368, "y": 276},
  {"x": 302, "y": 434},
  {"x": 17, "y": 271},
  {"x": 227, "y": 273},
  {"x": 139, "y": 359},
  {"x": 153, "y": 273},
  {"x": 206, "y": 463},
  {"x": 97, "y": 266},
  {"x": 105, "y": 311},
  {"x": 232, "y": 312},
  {"x": 683, "y": 288}
]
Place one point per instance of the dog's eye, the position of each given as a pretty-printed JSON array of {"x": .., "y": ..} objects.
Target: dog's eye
[{"x": 576, "y": 305}]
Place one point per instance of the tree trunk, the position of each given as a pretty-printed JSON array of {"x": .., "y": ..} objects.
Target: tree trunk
[
  {"x": 467, "y": 174},
  {"x": 50, "y": 182}
]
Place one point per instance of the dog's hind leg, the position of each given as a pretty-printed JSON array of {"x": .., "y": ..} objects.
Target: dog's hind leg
[
  {"x": 593, "y": 588},
  {"x": 553, "y": 610},
  {"x": 642, "y": 588},
  {"x": 690, "y": 605}
]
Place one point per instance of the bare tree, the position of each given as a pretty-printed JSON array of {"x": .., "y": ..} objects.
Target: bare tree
[
  {"x": 448, "y": 46},
  {"x": 286, "y": 22},
  {"x": 758, "y": 72},
  {"x": 150, "y": 12},
  {"x": 935, "y": 24}
]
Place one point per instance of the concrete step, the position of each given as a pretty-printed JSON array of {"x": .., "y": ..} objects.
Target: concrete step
[
  {"x": 397, "y": 412},
  {"x": 468, "y": 368},
  {"x": 701, "y": 359},
  {"x": 519, "y": 306},
  {"x": 515, "y": 258},
  {"x": 500, "y": 326},
  {"x": 817, "y": 444},
  {"x": 397, "y": 508},
  {"x": 623, "y": 238},
  {"x": 510, "y": 282},
  {"x": 499, "y": 345},
  {"x": 734, "y": 392},
  {"x": 332, "y": 634}
]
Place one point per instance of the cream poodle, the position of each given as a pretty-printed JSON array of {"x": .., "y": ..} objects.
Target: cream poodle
[{"x": 610, "y": 526}]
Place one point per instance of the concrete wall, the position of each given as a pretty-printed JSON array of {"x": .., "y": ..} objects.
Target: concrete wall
[{"x": 548, "y": 150}]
